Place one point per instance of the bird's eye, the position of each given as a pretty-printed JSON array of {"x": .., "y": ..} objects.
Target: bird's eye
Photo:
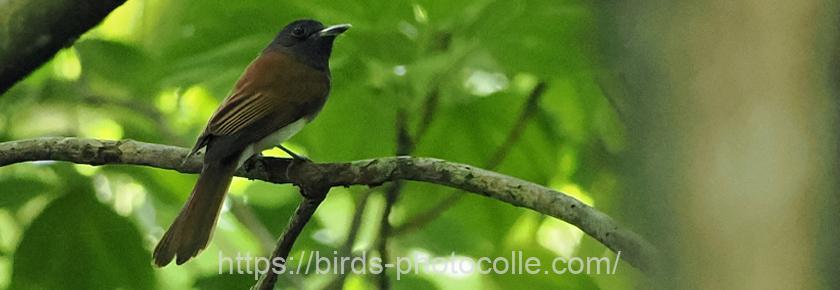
[{"x": 298, "y": 32}]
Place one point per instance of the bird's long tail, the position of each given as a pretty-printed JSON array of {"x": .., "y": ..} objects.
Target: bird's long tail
[{"x": 191, "y": 230}]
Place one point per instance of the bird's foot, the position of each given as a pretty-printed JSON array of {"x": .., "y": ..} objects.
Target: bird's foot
[
  {"x": 295, "y": 156},
  {"x": 296, "y": 160}
]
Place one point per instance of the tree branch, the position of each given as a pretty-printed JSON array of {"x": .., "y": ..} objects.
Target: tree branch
[
  {"x": 32, "y": 31},
  {"x": 371, "y": 172},
  {"x": 313, "y": 196}
]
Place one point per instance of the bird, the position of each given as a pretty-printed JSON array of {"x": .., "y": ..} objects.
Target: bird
[{"x": 279, "y": 92}]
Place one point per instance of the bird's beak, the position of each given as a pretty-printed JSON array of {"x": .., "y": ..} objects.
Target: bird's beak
[{"x": 334, "y": 30}]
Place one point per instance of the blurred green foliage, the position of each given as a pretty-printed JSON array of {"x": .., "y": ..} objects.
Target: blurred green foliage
[{"x": 155, "y": 70}]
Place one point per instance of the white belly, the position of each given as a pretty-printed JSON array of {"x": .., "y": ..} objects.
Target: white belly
[{"x": 272, "y": 140}]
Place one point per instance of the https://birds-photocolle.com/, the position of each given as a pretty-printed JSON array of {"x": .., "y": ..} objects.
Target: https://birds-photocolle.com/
[{"x": 280, "y": 91}]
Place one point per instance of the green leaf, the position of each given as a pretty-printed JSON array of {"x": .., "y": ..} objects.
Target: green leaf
[
  {"x": 79, "y": 243},
  {"x": 18, "y": 190}
]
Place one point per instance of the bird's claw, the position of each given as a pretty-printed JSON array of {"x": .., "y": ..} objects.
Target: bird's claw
[
  {"x": 296, "y": 160},
  {"x": 295, "y": 156}
]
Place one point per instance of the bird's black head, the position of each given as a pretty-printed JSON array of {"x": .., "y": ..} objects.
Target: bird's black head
[{"x": 308, "y": 41}]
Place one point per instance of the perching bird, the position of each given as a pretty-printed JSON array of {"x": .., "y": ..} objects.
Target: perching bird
[{"x": 281, "y": 91}]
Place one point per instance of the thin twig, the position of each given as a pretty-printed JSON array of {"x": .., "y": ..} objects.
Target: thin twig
[
  {"x": 391, "y": 196},
  {"x": 313, "y": 196},
  {"x": 404, "y": 147},
  {"x": 430, "y": 105},
  {"x": 425, "y": 217},
  {"x": 610, "y": 88},
  {"x": 347, "y": 247},
  {"x": 528, "y": 110},
  {"x": 245, "y": 214}
]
